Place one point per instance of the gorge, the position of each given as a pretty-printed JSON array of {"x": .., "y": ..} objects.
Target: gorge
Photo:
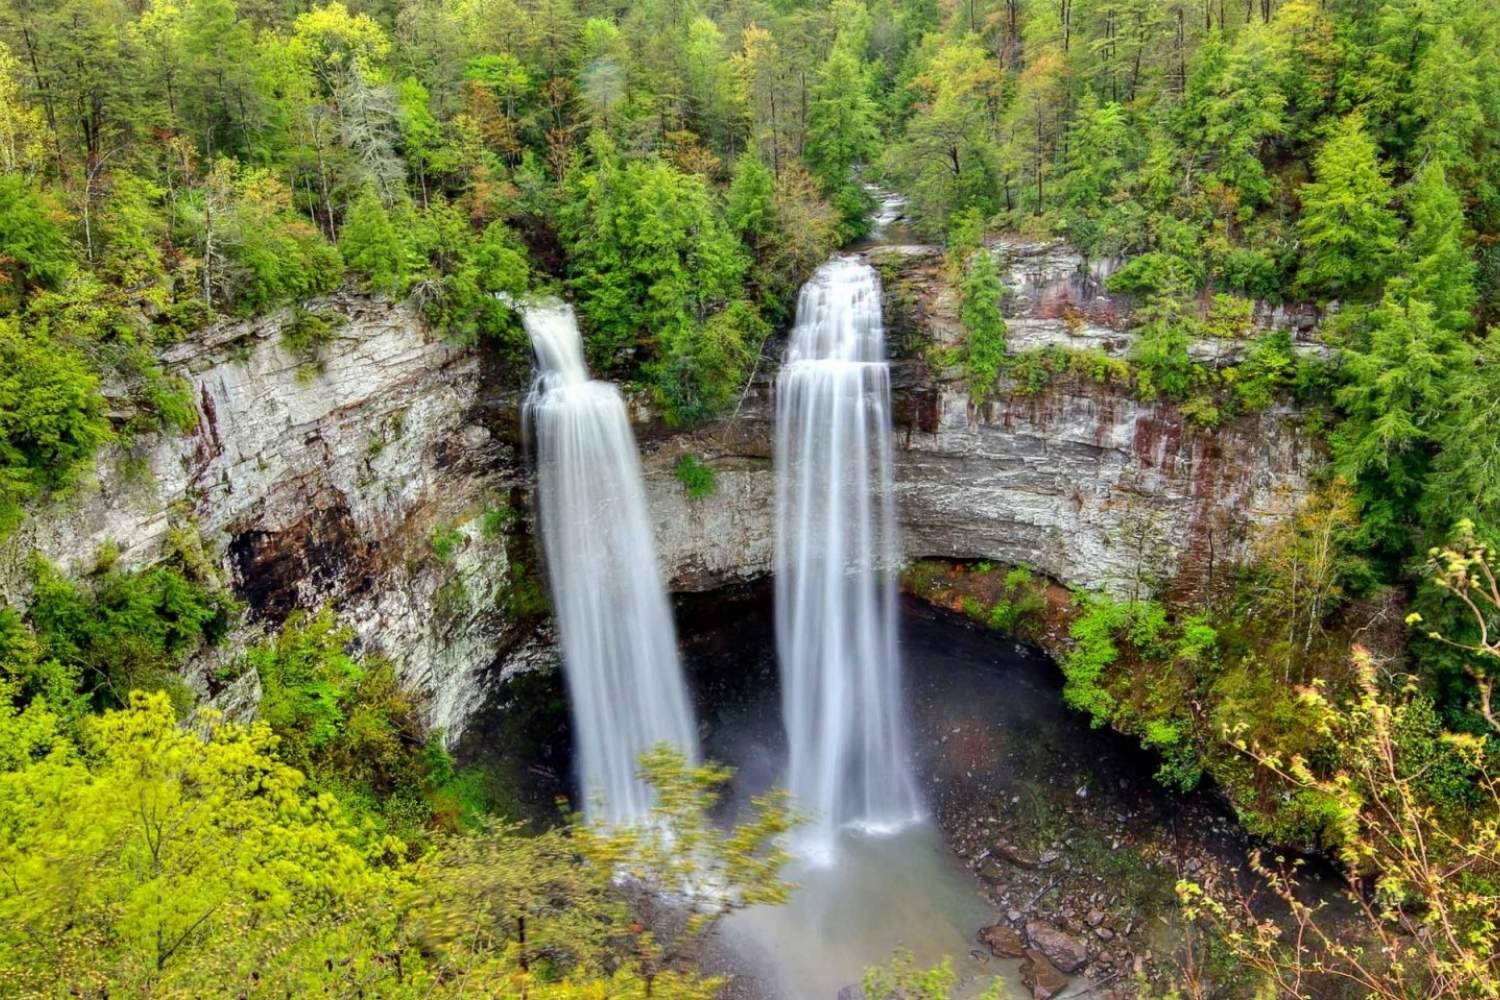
[
  {"x": 750, "y": 500},
  {"x": 1055, "y": 481},
  {"x": 1082, "y": 482}
]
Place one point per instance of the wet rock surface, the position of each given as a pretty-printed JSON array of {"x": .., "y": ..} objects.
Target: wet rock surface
[
  {"x": 1062, "y": 949},
  {"x": 1003, "y": 941},
  {"x": 1042, "y": 976}
]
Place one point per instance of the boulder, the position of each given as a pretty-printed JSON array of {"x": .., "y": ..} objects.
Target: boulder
[
  {"x": 1039, "y": 975},
  {"x": 1003, "y": 942},
  {"x": 1016, "y": 856},
  {"x": 1065, "y": 951}
]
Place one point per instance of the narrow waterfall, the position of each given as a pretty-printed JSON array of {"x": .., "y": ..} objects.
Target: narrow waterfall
[
  {"x": 619, "y": 645},
  {"x": 836, "y": 561}
]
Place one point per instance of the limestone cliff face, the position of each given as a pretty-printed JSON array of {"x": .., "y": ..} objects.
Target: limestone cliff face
[
  {"x": 326, "y": 486},
  {"x": 320, "y": 484},
  {"x": 1082, "y": 482}
]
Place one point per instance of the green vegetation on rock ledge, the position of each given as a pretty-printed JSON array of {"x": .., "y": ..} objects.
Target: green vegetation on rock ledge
[{"x": 696, "y": 477}]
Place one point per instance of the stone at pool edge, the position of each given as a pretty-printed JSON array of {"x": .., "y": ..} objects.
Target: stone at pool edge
[
  {"x": 1064, "y": 951},
  {"x": 1043, "y": 978},
  {"x": 1003, "y": 941}
]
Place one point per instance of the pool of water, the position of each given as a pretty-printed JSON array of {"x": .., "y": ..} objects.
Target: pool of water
[
  {"x": 876, "y": 892},
  {"x": 998, "y": 755},
  {"x": 880, "y": 893}
]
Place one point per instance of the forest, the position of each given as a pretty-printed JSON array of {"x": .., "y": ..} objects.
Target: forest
[{"x": 677, "y": 170}]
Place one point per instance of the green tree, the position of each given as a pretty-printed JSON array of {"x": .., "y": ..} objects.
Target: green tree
[
  {"x": 22, "y": 127},
  {"x": 35, "y": 252},
  {"x": 651, "y": 258},
  {"x": 422, "y": 137},
  {"x": 749, "y": 210},
  {"x": 1441, "y": 270},
  {"x": 52, "y": 418},
  {"x": 1348, "y": 229},
  {"x": 703, "y": 365},
  {"x": 842, "y": 134},
  {"x": 947, "y": 159},
  {"x": 984, "y": 324},
  {"x": 1465, "y": 480},
  {"x": 1098, "y": 149},
  {"x": 1395, "y": 394},
  {"x": 461, "y": 276},
  {"x": 1230, "y": 112},
  {"x": 373, "y": 246},
  {"x": 346, "y": 722}
]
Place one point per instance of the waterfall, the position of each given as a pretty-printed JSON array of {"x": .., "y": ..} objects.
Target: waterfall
[
  {"x": 619, "y": 646},
  {"x": 836, "y": 560}
]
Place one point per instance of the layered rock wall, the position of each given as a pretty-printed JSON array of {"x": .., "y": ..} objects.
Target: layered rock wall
[
  {"x": 320, "y": 483},
  {"x": 1083, "y": 482}
]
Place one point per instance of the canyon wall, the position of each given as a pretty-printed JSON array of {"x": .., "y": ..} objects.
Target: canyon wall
[
  {"x": 320, "y": 482},
  {"x": 327, "y": 482},
  {"x": 1080, "y": 481}
]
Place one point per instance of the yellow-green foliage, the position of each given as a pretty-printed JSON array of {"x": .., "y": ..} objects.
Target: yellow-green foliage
[
  {"x": 1425, "y": 880},
  {"x": 145, "y": 858},
  {"x": 149, "y": 859}
]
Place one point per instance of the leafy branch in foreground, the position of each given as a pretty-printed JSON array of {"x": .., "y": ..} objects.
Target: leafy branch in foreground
[
  {"x": 1464, "y": 571},
  {"x": 903, "y": 979},
  {"x": 1422, "y": 884},
  {"x": 684, "y": 873},
  {"x": 141, "y": 858}
]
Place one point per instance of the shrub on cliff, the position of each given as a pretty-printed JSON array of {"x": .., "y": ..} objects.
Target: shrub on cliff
[
  {"x": 984, "y": 324},
  {"x": 52, "y": 418},
  {"x": 345, "y": 721},
  {"x": 120, "y": 629}
]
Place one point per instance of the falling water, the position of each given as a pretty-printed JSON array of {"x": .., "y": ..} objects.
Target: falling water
[
  {"x": 618, "y": 643},
  {"x": 835, "y": 562}
]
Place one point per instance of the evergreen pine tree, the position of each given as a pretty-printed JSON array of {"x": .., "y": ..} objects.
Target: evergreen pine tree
[
  {"x": 1442, "y": 272},
  {"x": 1348, "y": 229}
]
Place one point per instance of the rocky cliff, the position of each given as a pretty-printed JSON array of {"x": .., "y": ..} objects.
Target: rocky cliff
[
  {"x": 322, "y": 481},
  {"x": 326, "y": 482},
  {"x": 1080, "y": 481}
]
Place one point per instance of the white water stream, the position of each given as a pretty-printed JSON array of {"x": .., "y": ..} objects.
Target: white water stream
[
  {"x": 619, "y": 645},
  {"x": 836, "y": 559}
]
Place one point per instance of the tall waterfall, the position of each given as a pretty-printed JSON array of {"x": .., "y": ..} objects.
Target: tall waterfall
[
  {"x": 618, "y": 643},
  {"x": 836, "y": 561}
]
